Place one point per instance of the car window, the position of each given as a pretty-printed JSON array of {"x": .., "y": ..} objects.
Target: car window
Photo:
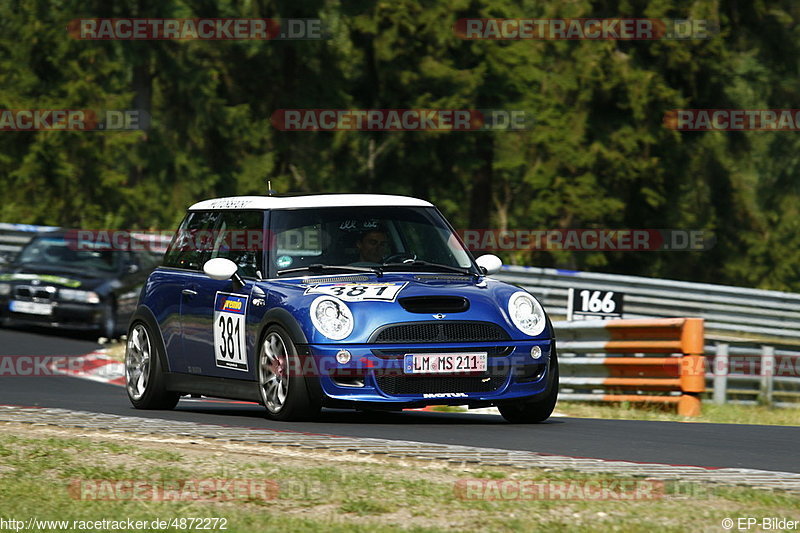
[
  {"x": 57, "y": 251},
  {"x": 240, "y": 238},
  {"x": 362, "y": 236},
  {"x": 302, "y": 241},
  {"x": 192, "y": 244}
]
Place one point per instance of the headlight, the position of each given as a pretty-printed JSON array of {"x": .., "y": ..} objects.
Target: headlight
[
  {"x": 526, "y": 313},
  {"x": 73, "y": 295},
  {"x": 5, "y": 288},
  {"x": 331, "y": 317}
]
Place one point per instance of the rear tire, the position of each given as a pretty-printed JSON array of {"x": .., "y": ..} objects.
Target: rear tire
[
  {"x": 532, "y": 412},
  {"x": 285, "y": 392},
  {"x": 144, "y": 376}
]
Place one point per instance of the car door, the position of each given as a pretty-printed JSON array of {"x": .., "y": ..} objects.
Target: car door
[
  {"x": 214, "y": 313},
  {"x": 169, "y": 286}
]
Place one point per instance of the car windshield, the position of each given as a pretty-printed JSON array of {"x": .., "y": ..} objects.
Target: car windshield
[
  {"x": 365, "y": 237},
  {"x": 58, "y": 252}
]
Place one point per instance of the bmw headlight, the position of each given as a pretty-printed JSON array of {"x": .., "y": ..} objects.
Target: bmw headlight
[
  {"x": 5, "y": 288},
  {"x": 74, "y": 295},
  {"x": 526, "y": 313},
  {"x": 331, "y": 317}
]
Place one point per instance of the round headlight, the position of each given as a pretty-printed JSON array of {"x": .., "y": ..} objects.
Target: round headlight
[
  {"x": 526, "y": 313},
  {"x": 331, "y": 317}
]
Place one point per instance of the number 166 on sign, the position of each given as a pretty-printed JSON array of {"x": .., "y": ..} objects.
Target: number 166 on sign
[{"x": 587, "y": 304}]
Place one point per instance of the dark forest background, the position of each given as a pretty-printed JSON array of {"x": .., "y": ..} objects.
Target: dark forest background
[{"x": 598, "y": 156}]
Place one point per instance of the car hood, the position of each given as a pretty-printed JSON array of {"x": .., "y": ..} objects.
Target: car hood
[
  {"x": 61, "y": 278},
  {"x": 488, "y": 302}
]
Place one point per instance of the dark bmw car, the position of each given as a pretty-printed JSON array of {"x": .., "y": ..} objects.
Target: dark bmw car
[{"x": 53, "y": 282}]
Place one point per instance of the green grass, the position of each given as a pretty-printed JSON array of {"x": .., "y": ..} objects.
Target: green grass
[
  {"x": 339, "y": 493},
  {"x": 713, "y": 413}
]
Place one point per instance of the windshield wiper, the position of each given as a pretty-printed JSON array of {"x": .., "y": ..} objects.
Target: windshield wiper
[
  {"x": 316, "y": 267},
  {"x": 427, "y": 264}
]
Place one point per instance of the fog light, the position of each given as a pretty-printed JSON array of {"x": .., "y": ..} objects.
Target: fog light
[
  {"x": 342, "y": 357},
  {"x": 536, "y": 352}
]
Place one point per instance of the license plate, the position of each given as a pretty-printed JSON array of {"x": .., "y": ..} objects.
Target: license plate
[
  {"x": 444, "y": 363},
  {"x": 31, "y": 308}
]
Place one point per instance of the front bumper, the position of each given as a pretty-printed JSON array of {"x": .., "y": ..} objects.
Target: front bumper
[
  {"x": 375, "y": 374},
  {"x": 68, "y": 315}
]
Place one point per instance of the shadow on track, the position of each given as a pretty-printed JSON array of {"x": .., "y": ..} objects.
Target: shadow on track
[{"x": 346, "y": 416}]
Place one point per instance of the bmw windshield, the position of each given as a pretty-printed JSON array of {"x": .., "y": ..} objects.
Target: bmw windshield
[
  {"x": 382, "y": 238},
  {"x": 60, "y": 253}
]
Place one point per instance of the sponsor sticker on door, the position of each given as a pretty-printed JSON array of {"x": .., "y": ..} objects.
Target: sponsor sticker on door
[{"x": 230, "y": 347}]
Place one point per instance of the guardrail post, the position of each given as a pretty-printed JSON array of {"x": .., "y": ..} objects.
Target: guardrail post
[
  {"x": 721, "y": 374},
  {"x": 767, "y": 372},
  {"x": 693, "y": 377}
]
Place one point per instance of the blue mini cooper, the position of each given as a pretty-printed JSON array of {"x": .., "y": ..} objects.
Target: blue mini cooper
[{"x": 347, "y": 300}]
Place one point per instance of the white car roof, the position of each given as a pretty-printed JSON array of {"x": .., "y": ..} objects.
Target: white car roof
[{"x": 312, "y": 200}]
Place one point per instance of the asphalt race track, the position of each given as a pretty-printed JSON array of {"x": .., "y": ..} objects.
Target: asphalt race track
[{"x": 709, "y": 445}]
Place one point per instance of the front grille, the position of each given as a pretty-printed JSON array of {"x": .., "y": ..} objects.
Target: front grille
[
  {"x": 449, "y": 331},
  {"x": 29, "y": 292},
  {"x": 397, "y": 385}
]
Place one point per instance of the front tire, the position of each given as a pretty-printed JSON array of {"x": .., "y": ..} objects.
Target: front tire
[
  {"x": 144, "y": 376},
  {"x": 540, "y": 409},
  {"x": 285, "y": 393}
]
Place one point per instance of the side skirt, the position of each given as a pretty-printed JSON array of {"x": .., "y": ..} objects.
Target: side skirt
[{"x": 230, "y": 389}]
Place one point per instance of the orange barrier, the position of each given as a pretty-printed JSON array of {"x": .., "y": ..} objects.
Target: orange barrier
[{"x": 686, "y": 373}]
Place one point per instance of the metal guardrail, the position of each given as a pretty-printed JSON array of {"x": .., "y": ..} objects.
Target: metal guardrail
[
  {"x": 14, "y": 236},
  {"x": 588, "y": 374},
  {"x": 753, "y": 374},
  {"x": 738, "y": 313}
]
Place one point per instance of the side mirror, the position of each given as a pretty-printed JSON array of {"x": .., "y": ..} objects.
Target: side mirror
[
  {"x": 489, "y": 263},
  {"x": 221, "y": 269}
]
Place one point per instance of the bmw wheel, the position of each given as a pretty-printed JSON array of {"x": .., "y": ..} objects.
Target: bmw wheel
[
  {"x": 144, "y": 377},
  {"x": 284, "y": 390}
]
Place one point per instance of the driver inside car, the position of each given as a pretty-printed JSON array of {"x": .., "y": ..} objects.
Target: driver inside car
[{"x": 372, "y": 246}]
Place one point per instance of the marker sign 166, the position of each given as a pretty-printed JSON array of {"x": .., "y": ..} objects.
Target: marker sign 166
[{"x": 586, "y": 304}]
